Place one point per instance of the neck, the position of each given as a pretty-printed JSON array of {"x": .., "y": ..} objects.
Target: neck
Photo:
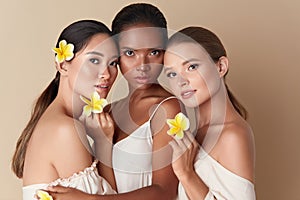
[
  {"x": 214, "y": 110},
  {"x": 212, "y": 116},
  {"x": 69, "y": 100},
  {"x": 144, "y": 90}
]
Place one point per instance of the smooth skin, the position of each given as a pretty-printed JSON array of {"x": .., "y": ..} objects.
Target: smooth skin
[
  {"x": 141, "y": 63},
  {"x": 198, "y": 82},
  {"x": 50, "y": 152}
]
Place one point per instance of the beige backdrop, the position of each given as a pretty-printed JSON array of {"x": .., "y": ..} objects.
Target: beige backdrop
[{"x": 262, "y": 38}]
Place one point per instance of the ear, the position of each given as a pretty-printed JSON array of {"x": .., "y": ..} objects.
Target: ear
[
  {"x": 222, "y": 66},
  {"x": 62, "y": 68}
]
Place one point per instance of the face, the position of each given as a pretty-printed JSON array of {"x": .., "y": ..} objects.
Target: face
[
  {"x": 192, "y": 74},
  {"x": 94, "y": 68},
  {"x": 141, "y": 58}
]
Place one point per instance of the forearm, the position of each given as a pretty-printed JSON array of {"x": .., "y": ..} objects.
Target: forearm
[
  {"x": 103, "y": 152},
  {"x": 193, "y": 185},
  {"x": 146, "y": 193}
]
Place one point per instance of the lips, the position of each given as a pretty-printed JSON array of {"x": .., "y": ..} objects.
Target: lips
[
  {"x": 142, "y": 79},
  {"x": 187, "y": 94},
  {"x": 102, "y": 86}
]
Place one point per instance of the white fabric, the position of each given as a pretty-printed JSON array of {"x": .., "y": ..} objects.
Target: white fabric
[
  {"x": 88, "y": 181},
  {"x": 222, "y": 183},
  {"x": 132, "y": 158}
]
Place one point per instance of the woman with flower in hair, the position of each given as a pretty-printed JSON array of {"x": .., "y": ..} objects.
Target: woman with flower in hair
[
  {"x": 51, "y": 150},
  {"x": 223, "y": 167}
]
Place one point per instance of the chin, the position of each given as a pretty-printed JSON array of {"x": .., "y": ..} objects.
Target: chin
[{"x": 190, "y": 103}]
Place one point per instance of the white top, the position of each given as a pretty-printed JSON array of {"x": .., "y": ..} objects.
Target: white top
[
  {"x": 132, "y": 158},
  {"x": 88, "y": 181},
  {"x": 222, "y": 183}
]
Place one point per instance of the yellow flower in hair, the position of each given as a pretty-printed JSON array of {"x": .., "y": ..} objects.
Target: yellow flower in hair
[
  {"x": 64, "y": 51},
  {"x": 43, "y": 195},
  {"x": 177, "y": 125},
  {"x": 95, "y": 105}
]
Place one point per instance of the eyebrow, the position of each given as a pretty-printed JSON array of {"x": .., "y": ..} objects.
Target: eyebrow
[
  {"x": 95, "y": 52},
  {"x": 167, "y": 68},
  {"x": 190, "y": 60},
  {"x": 184, "y": 63},
  {"x": 150, "y": 48}
]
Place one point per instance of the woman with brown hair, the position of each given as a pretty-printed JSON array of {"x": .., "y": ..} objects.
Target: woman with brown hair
[
  {"x": 196, "y": 64},
  {"x": 50, "y": 150}
]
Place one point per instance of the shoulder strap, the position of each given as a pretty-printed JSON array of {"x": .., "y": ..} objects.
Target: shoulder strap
[{"x": 166, "y": 99}]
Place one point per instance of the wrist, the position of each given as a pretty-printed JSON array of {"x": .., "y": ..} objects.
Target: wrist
[{"x": 186, "y": 175}]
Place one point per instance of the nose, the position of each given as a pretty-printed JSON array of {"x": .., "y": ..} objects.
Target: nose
[
  {"x": 144, "y": 65},
  {"x": 104, "y": 74},
  {"x": 182, "y": 81}
]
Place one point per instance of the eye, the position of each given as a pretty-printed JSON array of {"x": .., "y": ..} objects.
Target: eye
[
  {"x": 113, "y": 63},
  {"x": 129, "y": 53},
  {"x": 94, "y": 61},
  {"x": 171, "y": 74},
  {"x": 193, "y": 67},
  {"x": 155, "y": 52}
]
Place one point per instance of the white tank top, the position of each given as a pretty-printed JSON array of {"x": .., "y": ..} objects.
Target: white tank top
[{"x": 132, "y": 158}]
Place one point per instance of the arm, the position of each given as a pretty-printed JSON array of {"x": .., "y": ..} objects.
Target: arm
[
  {"x": 184, "y": 152},
  {"x": 65, "y": 144},
  {"x": 100, "y": 128},
  {"x": 234, "y": 151},
  {"x": 164, "y": 182}
]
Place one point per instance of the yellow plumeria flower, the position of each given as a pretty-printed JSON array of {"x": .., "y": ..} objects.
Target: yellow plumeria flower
[
  {"x": 95, "y": 105},
  {"x": 64, "y": 52},
  {"x": 43, "y": 195},
  {"x": 177, "y": 125}
]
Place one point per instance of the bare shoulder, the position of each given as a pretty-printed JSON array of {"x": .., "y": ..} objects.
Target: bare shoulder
[
  {"x": 170, "y": 106},
  {"x": 62, "y": 138},
  {"x": 60, "y": 130},
  {"x": 235, "y": 149},
  {"x": 167, "y": 110}
]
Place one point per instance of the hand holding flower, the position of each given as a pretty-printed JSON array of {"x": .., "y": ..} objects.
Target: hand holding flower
[
  {"x": 184, "y": 146},
  {"x": 178, "y": 125},
  {"x": 95, "y": 105},
  {"x": 99, "y": 126},
  {"x": 184, "y": 153}
]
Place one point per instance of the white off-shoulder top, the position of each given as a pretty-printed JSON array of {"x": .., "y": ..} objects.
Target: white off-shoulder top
[
  {"x": 222, "y": 183},
  {"x": 87, "y": 180}
]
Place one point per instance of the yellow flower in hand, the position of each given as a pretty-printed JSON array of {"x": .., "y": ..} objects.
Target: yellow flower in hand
[
  {"x": 95, "y": 105},
  {"x": 43, "y": 195},
  {"x": 177, "y": 125},
  {"x": 64, "y": 52}
]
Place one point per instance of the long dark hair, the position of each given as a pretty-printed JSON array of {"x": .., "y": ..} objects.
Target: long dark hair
[
  {"x": 78, "y": 33},
  {"x": 139, "y": 13},
  {"x": 214, "y": 47}
]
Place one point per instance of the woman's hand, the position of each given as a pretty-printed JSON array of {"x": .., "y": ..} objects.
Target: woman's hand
[
  {"x": 98, "y": 126},
  {"x": 184, "y": 152},
  {"x": 66, "y": 193}
]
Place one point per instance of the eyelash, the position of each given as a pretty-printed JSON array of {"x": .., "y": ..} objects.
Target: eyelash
[
  {"x": 129, "y": 51},
  {"x": 113, "y": 63},
  {"x": 94, "y": 60},
  {"x": 155, "y": 52},
  {"x": 193, "y": 65},
  {"x": 171, "y": 74}
]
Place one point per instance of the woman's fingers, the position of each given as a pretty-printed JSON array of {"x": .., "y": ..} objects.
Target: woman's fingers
[
  {"x": 57, "y": 189},
  {"x": 102, "y": 119}
]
